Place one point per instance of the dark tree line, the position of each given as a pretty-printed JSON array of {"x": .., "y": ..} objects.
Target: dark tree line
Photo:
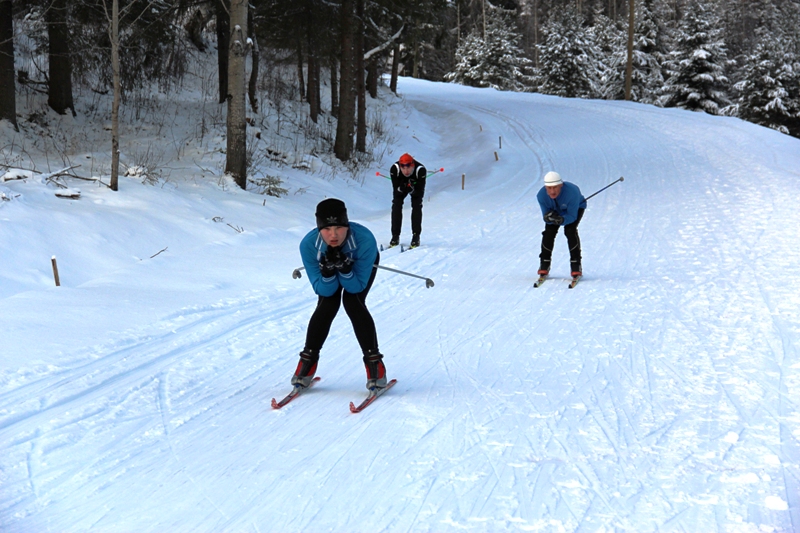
[{"x": 348, "y": 44}]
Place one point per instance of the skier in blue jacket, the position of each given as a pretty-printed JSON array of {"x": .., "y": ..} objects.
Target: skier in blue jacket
[
  {"x": 340, "y": 258},
  {"x": 562, "y": 204}
]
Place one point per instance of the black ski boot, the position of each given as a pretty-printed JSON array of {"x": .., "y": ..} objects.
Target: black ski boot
[
  {"x": 376, "y": 372},
  {"x": 306, "y": 368}
]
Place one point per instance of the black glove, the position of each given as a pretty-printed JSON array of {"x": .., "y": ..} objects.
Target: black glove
[
  {"x": 339, "y": 260},
  {"x": 325, "y": 268},
  {"x": 552, "y": 217}
]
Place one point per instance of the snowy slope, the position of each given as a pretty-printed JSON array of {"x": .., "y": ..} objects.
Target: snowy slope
[{"x": 659, "y": 395}]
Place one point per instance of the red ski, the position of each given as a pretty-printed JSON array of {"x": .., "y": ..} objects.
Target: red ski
[
  {"x": 373, "y": 395},
  {"x": 292, "y": 395}
]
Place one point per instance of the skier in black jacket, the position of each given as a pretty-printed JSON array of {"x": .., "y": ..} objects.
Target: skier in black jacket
[{"x": 408, "y": 177}]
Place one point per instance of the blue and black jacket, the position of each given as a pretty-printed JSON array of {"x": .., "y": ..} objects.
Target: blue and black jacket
[{"x": 360, "y": 245}]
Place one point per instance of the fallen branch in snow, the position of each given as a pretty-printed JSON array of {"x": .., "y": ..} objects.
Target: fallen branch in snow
[{"x": 164, "y": 250}]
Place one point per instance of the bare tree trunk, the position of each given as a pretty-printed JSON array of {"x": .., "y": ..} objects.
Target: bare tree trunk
[
  {"x": 415, "y": 70},
  {"x": 236, "y": 156},
  {"x": 395, "y": 68},
  {"x": 334, "y": 87},
  {"x": 483, "y": 30},
  {"x": 361, "y": 123},
  {"x": 372, "y": 76},
  {"x": 59, "y": 85},
  {"x": 300, "y": 79},
  {"x": 536, "y": 33},
  {"x": 629, "y": 68},
  {"x": 254, "y": 64},
  {"x": 313, "y": 72},
  {"x": 343, "y": 146},
  {"x": 114, "y": 184},
  {"x": 223, "y": 45},
  {"x": 8, "y": 87}
]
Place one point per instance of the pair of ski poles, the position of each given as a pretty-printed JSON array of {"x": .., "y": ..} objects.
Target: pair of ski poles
[
  {"x": 426, "y": 177},
  {"x": 428, "y": 281}
]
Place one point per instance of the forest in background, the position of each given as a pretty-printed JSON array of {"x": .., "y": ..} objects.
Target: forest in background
[{"x": 723, "y": 57}]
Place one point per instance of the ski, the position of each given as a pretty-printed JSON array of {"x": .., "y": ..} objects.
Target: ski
[
  {"x": 297, "y": 390},
  {"x": 373, "y": 395},
  {"x": 574, "y": 281},
  {"x": 540, "y": 281}
]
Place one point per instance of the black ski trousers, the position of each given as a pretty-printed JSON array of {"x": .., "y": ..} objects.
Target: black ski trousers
[
  {"x": 416, "y": 208},
  {"x": 356, "y": 308},
  {"x": 573, "y": 241}
]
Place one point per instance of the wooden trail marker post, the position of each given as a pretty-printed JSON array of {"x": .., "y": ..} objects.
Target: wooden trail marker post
[{"x": 55, "y": 271}]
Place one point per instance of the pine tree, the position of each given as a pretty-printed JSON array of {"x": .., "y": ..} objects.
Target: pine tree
[
  {"x": 496, "y": 61},
  {"x": 647, "y": 77},
  {"x": 610, "y": 43},
  {"x": 696, "y": 67},
  {"x": 568, "y": 58},
  {"x": 764, "y": 92}
]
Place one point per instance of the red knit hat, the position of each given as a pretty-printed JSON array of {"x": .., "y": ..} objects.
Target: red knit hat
[{"x": 406, "y": 159}]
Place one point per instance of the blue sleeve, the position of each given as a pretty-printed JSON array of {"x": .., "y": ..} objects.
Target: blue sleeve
[
  {"x": 545, "y": 203},
  {"x": 571, "y": 203},
  {"x": 364, "y": 260},
  {"x": 309, "y": 254}
]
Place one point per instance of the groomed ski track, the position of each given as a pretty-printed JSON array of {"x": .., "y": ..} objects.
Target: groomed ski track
[{"x": 661, "y": 394}]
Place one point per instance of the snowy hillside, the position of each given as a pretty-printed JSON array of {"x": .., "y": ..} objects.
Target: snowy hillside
[{"x": 661, "y": 394}]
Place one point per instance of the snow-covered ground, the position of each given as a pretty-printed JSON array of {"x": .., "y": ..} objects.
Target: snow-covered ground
[{"x": 661, "y": 394}]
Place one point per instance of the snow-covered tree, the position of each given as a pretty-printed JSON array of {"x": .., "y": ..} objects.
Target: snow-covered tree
[
  {"x": 696, "y": 67},
  {"x": 646, "y": 77},
  {"x": 568, "y": 58},
  {"x": 495, "y": 61},
  {"x": 768, "y": 91},
  {"x": 609, "y": 39}
]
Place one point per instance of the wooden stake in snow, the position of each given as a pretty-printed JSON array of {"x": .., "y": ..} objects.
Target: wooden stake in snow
[
  {"x": 55, "y": 271},
  {"x": 463, "y": 177}
]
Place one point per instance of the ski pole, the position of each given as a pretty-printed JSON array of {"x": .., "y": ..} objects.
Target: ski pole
[
  {"x": 296, "y": 274},
  {"x": 428, "y": 176},
  {"x": 606, "y": 187},
  {"x": 428, "y": 281}
]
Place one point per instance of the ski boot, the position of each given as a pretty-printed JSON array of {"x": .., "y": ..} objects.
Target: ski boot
[
  {"x": 395, "y": 241},
  {"x": 376, "y": 371},
  {"x": 544, "y": 267},
  {"x": 414, "y": 240},
  {"x": 306, "y": 368}
]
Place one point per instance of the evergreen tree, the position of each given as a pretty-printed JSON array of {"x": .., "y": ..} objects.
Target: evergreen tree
[
  {"x": 496, "y": 61},
  {"x": 696, "y": 67},
  {"x": 609, "y": 38},
  {"x": 568, "y": 58},
  {"x": 765, "y": 94},
  {"x": 647, "y": 79}
]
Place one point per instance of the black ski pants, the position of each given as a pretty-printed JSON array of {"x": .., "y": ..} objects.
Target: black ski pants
[
  {"x": 573, "y": 241},
  {"x": 356, "y": 308},
  {"x": 416, "y": 208}
]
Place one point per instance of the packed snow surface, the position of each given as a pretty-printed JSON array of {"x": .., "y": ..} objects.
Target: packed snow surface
[{"x": 661, "y": 394}]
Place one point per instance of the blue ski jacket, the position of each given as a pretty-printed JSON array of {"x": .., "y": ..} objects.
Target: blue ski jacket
[
  {"x": 360, "y": 245},
  {"x": 566, "y": 204}
]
